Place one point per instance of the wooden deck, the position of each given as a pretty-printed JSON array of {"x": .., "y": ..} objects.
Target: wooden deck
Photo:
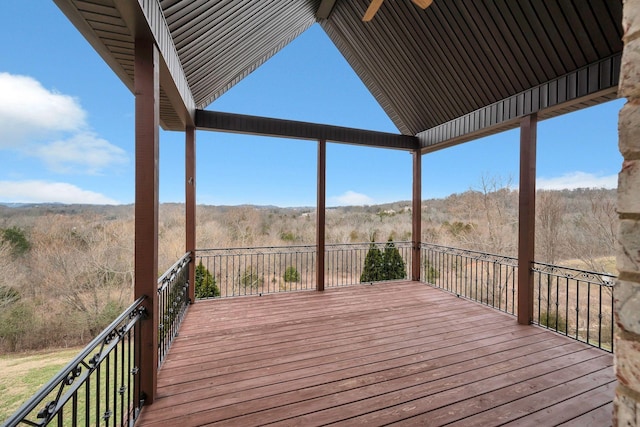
[{"x": 403, "y": 354}]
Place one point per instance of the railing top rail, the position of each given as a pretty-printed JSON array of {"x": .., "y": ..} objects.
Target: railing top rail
[
  {"x": 252, "y": 248},
  {"x": 68, "y": 370},
  {"x": 479, "y": 254},
  {"x": 574, "y": 273},
  {"x": 171, "y": 272},
  {"x": 328, "y": 245}
]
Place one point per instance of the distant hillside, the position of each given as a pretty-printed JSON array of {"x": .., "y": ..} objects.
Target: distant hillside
[{"x": 68, "y": 269}]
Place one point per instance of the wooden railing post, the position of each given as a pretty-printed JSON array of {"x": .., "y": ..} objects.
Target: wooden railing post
[
  {"x": 190, "y": 206},
  {"x": 527, "y": 217},
  {"x": 416, "y": 216},
  {"x": 320, "y": 226},
  {"x": 147, "y": 107}
]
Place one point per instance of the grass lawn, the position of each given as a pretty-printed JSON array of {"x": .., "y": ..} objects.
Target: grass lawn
[{"x": 24, "y": 373}]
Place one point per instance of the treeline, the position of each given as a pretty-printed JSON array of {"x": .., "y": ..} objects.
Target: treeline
[{"x": 67, "y": 271}]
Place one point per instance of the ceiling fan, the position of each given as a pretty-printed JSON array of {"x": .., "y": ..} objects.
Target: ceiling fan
[{"x": 375, "y": 5}]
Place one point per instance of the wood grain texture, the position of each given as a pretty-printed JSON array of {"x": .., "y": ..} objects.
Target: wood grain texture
[{"x": 401, "y": 353}]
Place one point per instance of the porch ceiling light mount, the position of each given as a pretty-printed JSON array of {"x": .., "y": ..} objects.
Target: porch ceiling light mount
[{"x": 375, "y": 5}]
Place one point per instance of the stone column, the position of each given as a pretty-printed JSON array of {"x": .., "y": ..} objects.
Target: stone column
[{"x": 627, "y": 288}]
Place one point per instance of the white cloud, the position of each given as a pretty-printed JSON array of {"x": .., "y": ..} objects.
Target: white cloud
[
  {"x": 83, "y": 152},
  {"x": 49, "y": 192},
  {"x": 32, "y": 116},
  {"x": 29, "y": 110},
  {"x": 350, "y": 198},
  {"x": 573, "y": 180}
]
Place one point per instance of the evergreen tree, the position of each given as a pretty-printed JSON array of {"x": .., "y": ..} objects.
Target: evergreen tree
[
  {"x": 251, "y": 279},
  {"x": 394, "y": 266},
  {"x": 373, "y": 270},
  {"x": 17, "y": 238},
  {"x": 205, "y": 283},
  {"x": 430, "y": 272},
  {"x": 291, "y": 274}
]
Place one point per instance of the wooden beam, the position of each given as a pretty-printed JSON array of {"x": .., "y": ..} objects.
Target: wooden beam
[
  {"x": 320, "y": 217},
  {"x": 527, "y": 217},
  {"x": 147, "y": 107},
  {"x": 190, "y": 206},
  {"x": 374, "y": 5},
  {"x": 416, "y": 215},
  {"x": 238, "y": 123}
]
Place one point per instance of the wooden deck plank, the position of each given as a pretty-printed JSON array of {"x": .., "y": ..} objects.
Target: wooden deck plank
[
  {"x": 327, "y": 383},
  {"x": 368, "y": 356},
  {"x": 523, "y": 403},
  {"x": 570, "y": 409},
  {"x": 353, "y": 366},
  {"x": 598, "y": 417},
  {"x": 299, "y": 355},
  {"x": 394, "y": 353},
  {"x": 426, "y": 396},
  {"x": 520, "y": 399},
  {"x": 272, "y": 343}
]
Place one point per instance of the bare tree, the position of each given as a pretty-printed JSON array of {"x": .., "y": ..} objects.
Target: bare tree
[
  {"x": 243, "y": 223},
  {"x": 592, "y": 237},
  {"x": 9, "y": 280},
  {"x": 550, "y": 235},
  {"x": 487, "y": 217}
]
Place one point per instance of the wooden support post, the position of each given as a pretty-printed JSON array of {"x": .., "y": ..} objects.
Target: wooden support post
[
  {"x": 527, "y": 217},
  {"x": 416, "y": 230},
  {"x": 147, "y": 107},
  {"x": 190, "y": 206},
  {"x": 320, "y": 226}
]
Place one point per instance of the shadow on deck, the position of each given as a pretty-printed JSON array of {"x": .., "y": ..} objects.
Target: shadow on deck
[{"x": 401, "y": 353}]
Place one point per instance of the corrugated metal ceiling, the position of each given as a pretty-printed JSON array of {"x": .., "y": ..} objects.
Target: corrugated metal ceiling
[
  {"x": 425, "y": 67},
  {"x": 221, "y": 42}
]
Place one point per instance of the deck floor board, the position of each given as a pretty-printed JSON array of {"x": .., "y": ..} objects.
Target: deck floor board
[{"x": 401, "y": 354}]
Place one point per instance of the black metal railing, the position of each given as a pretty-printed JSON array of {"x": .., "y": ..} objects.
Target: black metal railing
[
  {"x": 346, "y": 264},
  {"x": 173, "y": 299},
  {"x": 576, "y": 303},
  {"x": 256, "y": 271},
  {"x": 101, "y": 386},
  {"x": 252, "y": 271},
  {"x": 486, "y": 278}
]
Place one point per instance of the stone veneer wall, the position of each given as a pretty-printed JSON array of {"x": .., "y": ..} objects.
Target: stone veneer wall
[{"x": 627, "y": 289}]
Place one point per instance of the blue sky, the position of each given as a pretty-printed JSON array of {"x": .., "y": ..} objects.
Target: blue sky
[{"x": 67, "y": 132}]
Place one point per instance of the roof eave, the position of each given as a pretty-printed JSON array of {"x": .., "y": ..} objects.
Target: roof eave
[
  {"x": 140, "y": 20},
  {"x": 587, "y": 86}
]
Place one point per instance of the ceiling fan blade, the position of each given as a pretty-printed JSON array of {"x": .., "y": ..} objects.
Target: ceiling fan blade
[
  {"x": 423, "y": 3},
  {"x": 371, "y": 11}
]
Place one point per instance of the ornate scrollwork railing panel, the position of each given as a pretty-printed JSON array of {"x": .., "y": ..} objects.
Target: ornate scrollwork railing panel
[
  {"x": 483, "y": 277},
  {"x": 100, "y": 386},
  {"x": 173, "y": 299},
  {"x": 577, "y": 303}
]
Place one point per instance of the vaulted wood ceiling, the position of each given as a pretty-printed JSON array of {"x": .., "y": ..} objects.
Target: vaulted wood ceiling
[{"x": 452, "y": 72}]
